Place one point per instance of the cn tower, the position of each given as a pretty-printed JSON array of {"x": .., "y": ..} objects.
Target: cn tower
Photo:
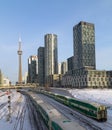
[{"x": 20, "y": 63}]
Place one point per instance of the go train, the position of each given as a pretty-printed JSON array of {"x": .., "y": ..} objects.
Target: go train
[
  {"x": 52, "y": 118},
  {"x": 90, "y": 109}
]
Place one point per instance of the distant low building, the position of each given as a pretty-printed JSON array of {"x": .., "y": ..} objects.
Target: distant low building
[
  {"x": 54, "y": 80},
  {"x": 1, "y": 78},
  {"x": 85, "y": 77},
  {"x": 25, "y": 77},
  {"x": 6, "y": 82}
]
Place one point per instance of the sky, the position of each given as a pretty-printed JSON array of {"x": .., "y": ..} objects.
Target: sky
[{"x": 32, "y": 19}]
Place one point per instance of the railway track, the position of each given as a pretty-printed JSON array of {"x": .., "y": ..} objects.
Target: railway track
[
  {"x": 4, "y": 107},
  {"x": 35, "y": 118},
  {"x": 19, "y": 123},
  {"x": 28, "y": 110},
  {"x": 21, "y": 112},
  {"x": 89, "y": 123},
  {"x": 22, "y": 117},
  {"x": 4, "y": 111},
  {"x": 30, "y": 115},
  {"x": 108, "y": 124}
]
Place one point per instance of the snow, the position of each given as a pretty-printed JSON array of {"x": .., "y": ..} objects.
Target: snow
[
  {"x": 103, "y": 96},
  {"x": 14, "y": 117}
]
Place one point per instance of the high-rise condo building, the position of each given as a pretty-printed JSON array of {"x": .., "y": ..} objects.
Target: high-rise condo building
[
  {"x": 71, "y": 63},
  {"x": 59, "y": 68},
  {"x": 51, "y": 55},
  {"x": 41, "y": 66},
  {"x": 32, "y": 69},
  {"x": 64, "y": 67},
  {"x": 84, "y": 45}
]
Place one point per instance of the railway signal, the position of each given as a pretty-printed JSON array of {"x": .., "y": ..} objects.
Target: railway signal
[{"x": 9, "y": 106}]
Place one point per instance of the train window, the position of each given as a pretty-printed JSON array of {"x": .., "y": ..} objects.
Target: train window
[
  {"x": 91, "y": 111},
  {"x": 99, "y": 112},
  {"x": 66, "y": 121}
]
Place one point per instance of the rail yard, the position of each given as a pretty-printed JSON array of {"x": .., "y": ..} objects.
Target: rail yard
[{"x": 34, "y": 110}]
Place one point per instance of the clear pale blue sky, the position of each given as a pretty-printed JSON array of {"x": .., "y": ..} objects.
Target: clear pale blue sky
[{"x": 32, "y": 19}]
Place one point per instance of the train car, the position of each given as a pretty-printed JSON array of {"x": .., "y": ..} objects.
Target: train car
[
  {"x": 52, "y": 118},
  {"x": 50, "y": 94},
  {"x": 62, "y": 99},
  {"x": 65, "y": 124},
  {"x": 90, "y": 109}
]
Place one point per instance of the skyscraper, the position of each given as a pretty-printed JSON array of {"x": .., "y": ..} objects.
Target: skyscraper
[
  {"x": 71, "y": 63},
  {"x": 32, "y": 69},
  {"x": 20, "y": 63},
  {"x": 59, "y": 68},
  {"x": 84, "y": 45},
  {"x": 41, "y": 66},
  {"x": 51, "y": 55},
  {"x": 62, "y": 67}
]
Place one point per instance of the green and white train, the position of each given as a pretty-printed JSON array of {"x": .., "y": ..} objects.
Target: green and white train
[
  {"x": 52, "y": 118},
  {"x": 90, "y": 109}
]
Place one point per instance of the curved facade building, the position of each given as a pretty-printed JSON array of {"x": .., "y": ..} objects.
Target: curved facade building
[{"x": 51, "y": 55}]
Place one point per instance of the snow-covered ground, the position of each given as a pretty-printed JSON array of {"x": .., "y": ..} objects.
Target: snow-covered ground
[{"x": 14, "y": 114}]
